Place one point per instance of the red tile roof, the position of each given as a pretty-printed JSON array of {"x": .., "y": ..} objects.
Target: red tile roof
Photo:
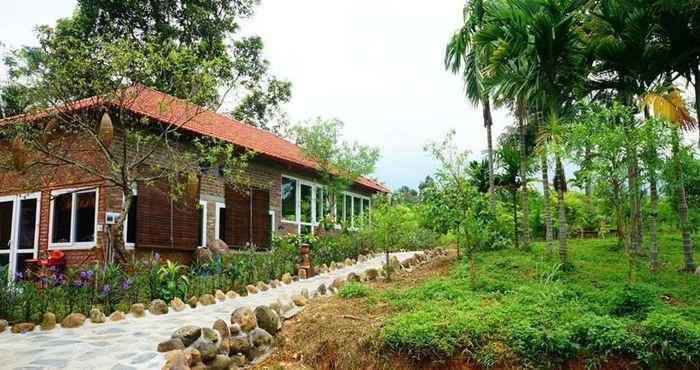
[{"x": 174, "y": 111}]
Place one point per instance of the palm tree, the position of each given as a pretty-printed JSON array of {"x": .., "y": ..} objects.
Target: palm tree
[
  {"x": 668, "y": 104},
  {"x": 462, "y": 57},
  {"x": 509, "y": 180},
  {"x": 541, "y": 40}
]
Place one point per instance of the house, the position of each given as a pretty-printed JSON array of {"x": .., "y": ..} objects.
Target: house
[{"x": 69, "y": 213}]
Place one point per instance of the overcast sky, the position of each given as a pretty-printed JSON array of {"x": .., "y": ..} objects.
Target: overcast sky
[{"x": 376, "y": 65}]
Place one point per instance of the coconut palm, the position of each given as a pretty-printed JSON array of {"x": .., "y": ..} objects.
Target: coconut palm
[
  {"x": 462, "y": 57},
  {"x": 539, "y": 40}
]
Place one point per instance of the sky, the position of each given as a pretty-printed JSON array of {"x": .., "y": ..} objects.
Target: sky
[{"x": 375, "y": 65}]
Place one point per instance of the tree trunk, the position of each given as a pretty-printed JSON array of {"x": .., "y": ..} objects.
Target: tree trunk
[
  {"x": 547, "y": 203},
  {"x": 589, "y": 181},
  {"x": 696, "y": 83},
  {"x": 523, "y": 175},
  {"x": 632, "y": 177},
  {"x": 618, "y": 214},
  {"x": 488, "y": 123},
  {"x": 561, "y": 188},
  {"x": 115, "y": 250},
  {"x": 514, "y": 197},
  {"x": 653, "y": 199},
  {"x": 683, "y": 206}
]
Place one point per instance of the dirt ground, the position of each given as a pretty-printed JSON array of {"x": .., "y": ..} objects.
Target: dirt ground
[{"x": 335, "y": 333}]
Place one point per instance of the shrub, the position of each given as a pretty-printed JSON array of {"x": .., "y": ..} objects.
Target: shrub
[
  {"x": 632, "y": 300},
  {"x": 672, "y": 340},
  {"x": 354, "y": 290}
]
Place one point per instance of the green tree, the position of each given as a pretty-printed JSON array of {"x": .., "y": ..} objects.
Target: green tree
[
  {"x": 509, "y": 180},
  {"x": 462, "y": 57},
  {"x": 176, "y": 39}
]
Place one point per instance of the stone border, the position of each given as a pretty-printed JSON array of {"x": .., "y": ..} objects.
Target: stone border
[{"x": 248, "y": 339}]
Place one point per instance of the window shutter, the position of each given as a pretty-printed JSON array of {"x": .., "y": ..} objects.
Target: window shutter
[
  {"x": 163, "y": 223},
  {"x": 238, "y": 218},
  {"x": 261, "y": 227}
]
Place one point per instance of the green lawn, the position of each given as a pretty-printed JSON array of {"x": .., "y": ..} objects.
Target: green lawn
[{"x": 527, "y": 313}]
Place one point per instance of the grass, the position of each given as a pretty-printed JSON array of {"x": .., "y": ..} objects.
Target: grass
[{"x": 527, "y": 312}]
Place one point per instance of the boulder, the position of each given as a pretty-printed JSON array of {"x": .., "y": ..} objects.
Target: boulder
[
  {"x": 231, "y": 294},
  {"x": 333, "y": 266},
  {"x": 203, "y": 255},
  {"x": 305, "y": 292},
  {"x": 206, "y": 347},
  {"x": 158, "y": 307},
  {"x": 138, "y": 310},
  {"x": 192, "y": 302},
  {"x": 175, "y": 360},
  {"x": 348, "y": 262},
  {"x": 372, "y": 274},
  {"x": 207, "y": 299},
  {"x": 220, "y": 295},
  {"x": 193, "y": 356},
  {"x": 234, "y": 329},
  {"x": 117, "y": 316},
  {"x": 73, "y": 320},
  {"x": 322, "y": 289},
  {"x": 219, "y": 248},
  {"x": 223, "y": 329},
  {"x": 187, "y": 334},
  {"x": 48, "y": 321},
  {"x": 239, "y": 344},
  {"x": 268, "y": 319},
  {"x": 237, "y": 361},
  {"x": 260, "y": 338},
  {"x": 22, "y": 328},
  {"x": 170, "y": 345},
  {"x": 274, "y": 283},
  {"x": 262, "y": 286},
  {"x": 338, "y": 283},
  {"x": 220, "y": 362},
  {"x": 276, "y": 306},
  {"x": 299, "y": 300},
  {"x": 287, "y": 278},
  {"x": 244, "y": 317},
  {"x": 323, "y": 269},
  {"x": 3, "y": 325},
  {"x": 177, "y": 304},
  {"x": 353, "y": 277},
  {"x": 251, "y": 289},
  {"x": 97, "y": 317}
]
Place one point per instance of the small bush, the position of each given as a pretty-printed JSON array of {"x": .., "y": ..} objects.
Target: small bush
[
  {"x": 354, "y": 290},
  {"x": 672, "y": 340},
  {"x": 632, "y": 300}
]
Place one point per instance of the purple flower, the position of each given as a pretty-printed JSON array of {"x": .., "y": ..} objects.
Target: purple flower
[
  {"x": 106, "y": 289},
  {"x": 126, "y": 284},
  {"x": 78, "y": 283},
  {"x": 85, "y": 274},
  {"x": 156, "y": 257},
  {"x": 19, "y": 275}
]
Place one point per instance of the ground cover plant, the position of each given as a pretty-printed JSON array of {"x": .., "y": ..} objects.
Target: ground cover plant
[{"x": 527, "y": 312}]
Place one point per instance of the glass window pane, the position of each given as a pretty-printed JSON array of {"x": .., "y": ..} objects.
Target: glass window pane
[
  {"x": 85, "y": 217},
  {"x": 357, "y": 209},
  {"x": 27, "y": 223},
  {"x": 4, "y": 261},
  {"x": 306, "y": 203},
  {"x": 222, "y": 224},
  {"x": 6, "y": 210},
  {"x": 131, "y": 225},
  {"x": 62, "y": 205},
  {"x": 319, "y": 205},
  {"x": 21, "y": 262},
  {"x": 348, "y": 209},
  {"x": 289, "y": 199},
  {"x": 365, "y": 205}
]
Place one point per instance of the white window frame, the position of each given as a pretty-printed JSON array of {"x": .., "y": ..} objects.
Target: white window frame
[
  {"x": 273, "y": 227},
  {"x": 352, "y": 206},
  {"x": 14, "y": 250},
  {"x": 203, "y": 204},
  {"x": 217, "y": 221},
  {"x": 72, "y": 245},
  {"x": 297, "y": 206}
]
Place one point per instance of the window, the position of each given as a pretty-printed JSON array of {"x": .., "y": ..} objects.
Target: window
[
  {"x": 73, "y": 220},
  {"x": 318, "y": 211},
  {"x": 306, "y": 213},
  {"x": 220, "y": 226},
  {"x": 130, "y": 223},
  {"x": 202, "y": 224},
  {"x": 289, "y": 199},
  {"x": 347, "y": 209}
]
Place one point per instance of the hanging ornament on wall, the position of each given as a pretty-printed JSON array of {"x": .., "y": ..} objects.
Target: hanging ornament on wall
[
  {"x": 106, "y": 130},
  {"x": 192, "y": 186}
]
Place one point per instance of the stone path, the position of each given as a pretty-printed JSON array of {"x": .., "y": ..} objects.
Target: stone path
[{"x": 131, "y": 344}]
